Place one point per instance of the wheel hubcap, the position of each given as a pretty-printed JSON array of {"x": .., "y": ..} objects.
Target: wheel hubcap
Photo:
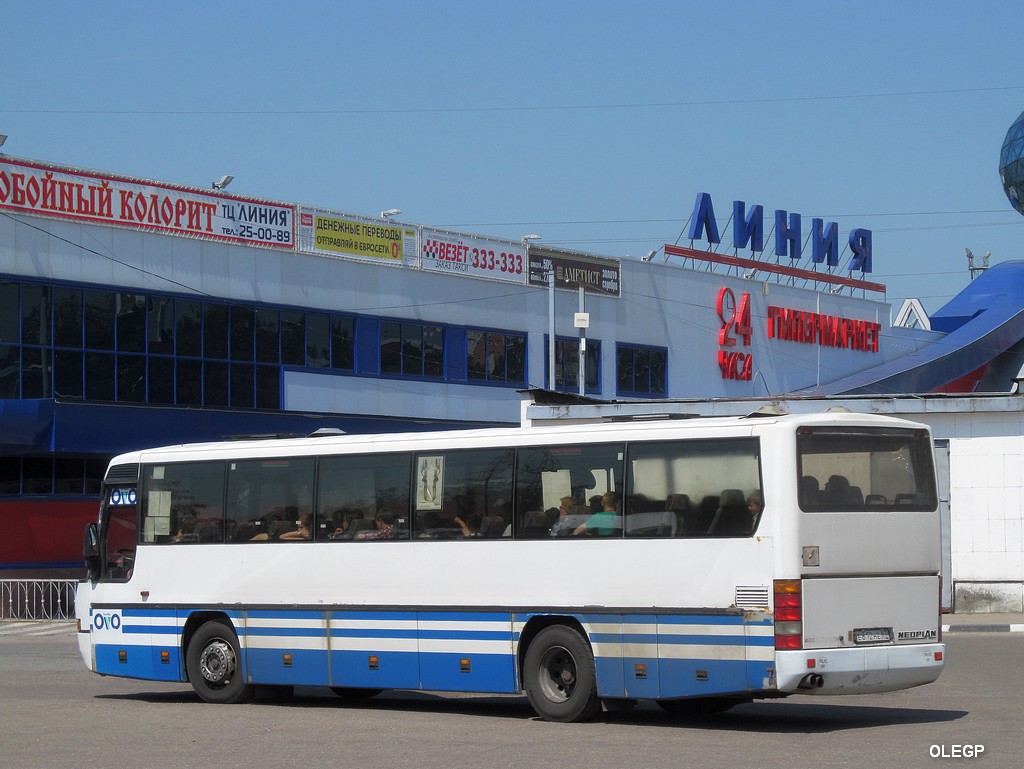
[
  {"x": 217, "y": 663},
  {"x": 558, "y": 677}
]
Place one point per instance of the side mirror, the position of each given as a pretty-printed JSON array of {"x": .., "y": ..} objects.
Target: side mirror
[{"x": 91, "y": 551}]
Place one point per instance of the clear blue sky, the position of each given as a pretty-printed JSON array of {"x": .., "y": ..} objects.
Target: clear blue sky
[{"x": 594, "y": 124}]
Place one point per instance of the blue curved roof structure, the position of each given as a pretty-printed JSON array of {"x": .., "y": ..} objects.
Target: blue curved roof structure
[{"x": 981, "y": 323}]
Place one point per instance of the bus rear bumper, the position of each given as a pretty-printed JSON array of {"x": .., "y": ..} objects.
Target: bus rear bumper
[{"x": 864, "y": 670}]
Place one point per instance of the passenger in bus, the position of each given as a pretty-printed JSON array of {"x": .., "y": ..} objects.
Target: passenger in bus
[
  {"x": 303, "y": 530},
  {"x": 755, "y": 504},
  {"x": 189, "y": 530},
  {"x": 562, "y": 526},
  {"x": 466, "y": 517},
  {"x": 443, "y": 524},
  {"x": 271, "y": 525},
  {"x": 385, "y": 522},
  {"x": 837, "y": 491},
  {"x": 468, "y": 530},
  {"x": 605, "y": 522}
]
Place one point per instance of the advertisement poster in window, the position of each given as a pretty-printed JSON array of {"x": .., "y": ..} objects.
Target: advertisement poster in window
[{"x": 429, "y": 482}]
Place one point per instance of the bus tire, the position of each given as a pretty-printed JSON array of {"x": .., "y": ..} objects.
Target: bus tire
[
  {"x": 559, "y": 676},
  {"x": 213, "y": 662}
]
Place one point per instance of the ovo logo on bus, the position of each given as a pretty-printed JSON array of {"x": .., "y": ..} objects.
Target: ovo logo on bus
[
  {"x": 106, "y": 621},
  {"x": 124, "y": 496}
]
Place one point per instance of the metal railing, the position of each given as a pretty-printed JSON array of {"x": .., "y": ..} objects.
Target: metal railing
[{"x": 37, "y": 599}]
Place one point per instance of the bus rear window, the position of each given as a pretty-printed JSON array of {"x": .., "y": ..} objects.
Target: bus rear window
[{"x": 865, "y": 470}]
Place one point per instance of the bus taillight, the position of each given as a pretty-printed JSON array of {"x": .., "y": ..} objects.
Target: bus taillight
[{"x": 788, "y": 614}]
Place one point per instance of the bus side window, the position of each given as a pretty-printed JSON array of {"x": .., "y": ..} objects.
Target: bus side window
[
  {"x": 562, "y": 486},
  {"x": 692, "y": 488},
  {"x": 354, "y": 489},
  {"x": 183, "y": 502},
  {"x": 463, "y": 494}
]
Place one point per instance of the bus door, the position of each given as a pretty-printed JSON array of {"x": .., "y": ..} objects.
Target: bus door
[
  {"x": 868, "y": 536},
  {"x": 119, "y": 529}
]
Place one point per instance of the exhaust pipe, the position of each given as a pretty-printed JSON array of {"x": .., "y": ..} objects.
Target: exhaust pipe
[{"x": 811, "y": 681}]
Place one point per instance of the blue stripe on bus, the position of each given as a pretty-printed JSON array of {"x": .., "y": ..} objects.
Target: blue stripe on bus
[
  {"x": 450, "y": 616},
  {"x": 374, "y": 615},
  {"x": 148, "y": 613},
  {"x": 374, "y": 633},
  {"x": 618, "y": 676},
  {"x": 468, "y": 635},
  {"x": 319, "y": 632},
  {"x": 151, "y": 629},
  {"x": 284, "y": 614},
  {"x": 294, "y": 632},
  {"x": 704, "y": 640},
  {"x": 709, "y": 619}
]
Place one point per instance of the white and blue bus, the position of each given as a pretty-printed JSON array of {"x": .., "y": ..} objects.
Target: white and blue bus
[{"x": 699, "y": 563}]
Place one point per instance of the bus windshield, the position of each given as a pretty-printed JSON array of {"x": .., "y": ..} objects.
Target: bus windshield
[{"x": 864, "y": 470}]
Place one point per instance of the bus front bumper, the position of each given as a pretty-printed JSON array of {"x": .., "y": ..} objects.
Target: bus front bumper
[{"x": 862, "y": 670}]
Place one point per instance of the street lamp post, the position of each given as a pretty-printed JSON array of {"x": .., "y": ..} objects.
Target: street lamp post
[
  {"x": 551, "y": 327},
  {"x": 551, "y": 309},
  {"x": 582, "y": 322}
]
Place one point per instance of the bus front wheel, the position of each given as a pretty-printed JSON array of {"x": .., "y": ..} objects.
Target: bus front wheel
[
  {"x": 213, "y": 664},
  {"x": 559, "y": 675}
]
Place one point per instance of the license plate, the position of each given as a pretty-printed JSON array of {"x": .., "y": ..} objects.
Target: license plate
[{"x": 872, "y": 635}]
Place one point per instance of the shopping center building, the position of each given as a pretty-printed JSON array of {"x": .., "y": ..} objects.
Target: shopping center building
[{"x": 136, "y": 312}]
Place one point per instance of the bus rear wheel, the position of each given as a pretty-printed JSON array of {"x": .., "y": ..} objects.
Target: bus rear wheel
[
  {"x": 559, "y": 676},
  {"x": 213, "y": 664}
]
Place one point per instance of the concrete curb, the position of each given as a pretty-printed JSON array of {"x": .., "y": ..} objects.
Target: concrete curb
[{"x": 984, "y": 628}]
